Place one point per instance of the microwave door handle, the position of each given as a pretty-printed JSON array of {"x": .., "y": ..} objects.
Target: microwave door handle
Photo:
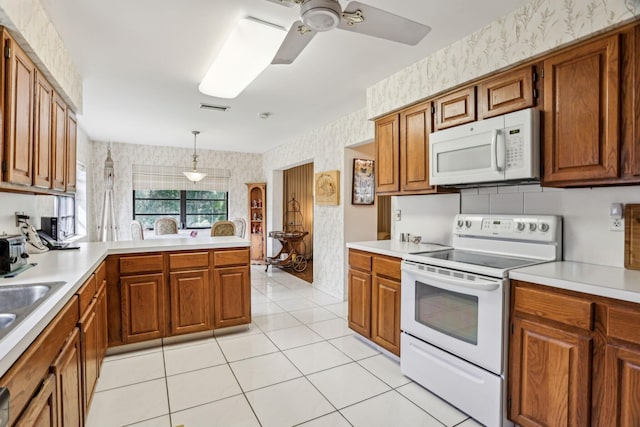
[
  {"x": 489, "y": 286},
  {"x": 494, "y": 150}
]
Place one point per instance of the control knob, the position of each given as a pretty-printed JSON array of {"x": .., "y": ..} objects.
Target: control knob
[
  {"x": 544, "y": 227},
  {"x": 467, "y": 224},
  {"x": 460, "y": 223},
  {"x": 520, "y": 226},
  {"x": 533, "y": 226}
]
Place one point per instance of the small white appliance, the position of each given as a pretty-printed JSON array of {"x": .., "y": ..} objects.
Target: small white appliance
[
  {"x": 502, "y": 148},
  {"x": 455, "y": 304}
]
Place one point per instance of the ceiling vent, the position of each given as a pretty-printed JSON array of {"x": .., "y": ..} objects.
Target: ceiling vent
[{"x": 221, "y": 108}]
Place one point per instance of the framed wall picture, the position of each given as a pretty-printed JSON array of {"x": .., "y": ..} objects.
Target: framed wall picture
[
  {"x": 363, "y": 182},
  {"x": 327, "y": 188}
]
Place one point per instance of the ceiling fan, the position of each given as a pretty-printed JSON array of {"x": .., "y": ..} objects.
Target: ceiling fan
[{"x": 324, "y": 15}]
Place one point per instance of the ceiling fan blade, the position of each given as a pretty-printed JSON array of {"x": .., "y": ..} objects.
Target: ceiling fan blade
[
  {"x": 287, "y": 3},
  {"x": 296, "y": 40},
  {"x": 379, "y": 23}
]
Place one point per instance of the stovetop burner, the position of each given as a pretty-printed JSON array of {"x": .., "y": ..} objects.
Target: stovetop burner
[{"x": 481, "y": 259}]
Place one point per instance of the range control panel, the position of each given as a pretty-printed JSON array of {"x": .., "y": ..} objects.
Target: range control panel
[{"x": 529, "y": 227}]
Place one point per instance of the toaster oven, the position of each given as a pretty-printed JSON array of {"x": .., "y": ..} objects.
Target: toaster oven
[{"x": 13, "y": 253}]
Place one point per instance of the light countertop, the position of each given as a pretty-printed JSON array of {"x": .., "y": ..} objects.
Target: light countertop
[
  {"x": 74, "y": 266},
  {"x": 611, "y": 282},
  {"x": 395, "y": 248}
]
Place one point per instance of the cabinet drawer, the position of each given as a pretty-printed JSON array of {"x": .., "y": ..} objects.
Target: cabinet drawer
[
  {"x": 565, "y": 309},
  {"x": 387, "y": 266},
  {"x": 234, "y": 257},
  {"x": 359, "y": 260},
  {"x": 141, "y": 264},
  {"x": 86, "y": 293},
  {"x": 188, "y": 260},
  {"x": 623, "y": 324}
]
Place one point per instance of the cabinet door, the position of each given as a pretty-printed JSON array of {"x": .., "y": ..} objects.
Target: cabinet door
[
  {"x": 19, "y": 115},
  {"x": 387, "y": 154},
  {"x": 510, "y": 91},
  {"x": 581, "y": 113},
  {"x": 68, "y": 371},
  {"x": 385, "y": 314},
  {"x": 620, "y": 404},
  {"x": 143, "y": 315},
  {"x": 549, "y": 376},
  {"x": 190, "y": 307},
  {"x": 360, "y": 302},
  {"x": 59, "y": 134},
  {"x": 232, "y": 296},
  {"x": 456, "y": 108},
  {"x": 415, "y": 127},
  {"x": 103, "y": 333},
  {"x": 257, "y": 247},
  {"x": 42, "y": 146},
  {"x": 89, "y": 339},
  {"x": 42, "y": 409},
  {"x": 72, "y": 135}
]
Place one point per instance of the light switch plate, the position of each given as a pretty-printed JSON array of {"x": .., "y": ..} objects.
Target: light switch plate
[{"x": 398, "y": 214}]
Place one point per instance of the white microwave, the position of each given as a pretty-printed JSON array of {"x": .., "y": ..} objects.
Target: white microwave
[{"x": 502, "y": 148}]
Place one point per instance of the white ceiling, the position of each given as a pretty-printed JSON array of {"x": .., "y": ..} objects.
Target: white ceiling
[{"x": 142, "y": 61}]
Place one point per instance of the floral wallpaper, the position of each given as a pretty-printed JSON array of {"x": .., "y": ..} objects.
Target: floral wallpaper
[
  {"x": 536, "y": 27},
  {"x": 244, "y": 168},
  {"x": 324, "y": 147},
  {"x": 30, "y": 24}
]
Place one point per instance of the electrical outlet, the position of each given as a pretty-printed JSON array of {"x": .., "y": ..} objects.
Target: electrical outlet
[
  {"x": 398, "y": 215},
  {"x": 616, "y": 224}
]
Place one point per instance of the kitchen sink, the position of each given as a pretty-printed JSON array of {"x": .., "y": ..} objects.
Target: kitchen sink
[{"x": 18, "y": 301}]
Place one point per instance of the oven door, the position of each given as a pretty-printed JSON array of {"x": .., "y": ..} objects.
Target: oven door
[{"x": 458, "y": 312}]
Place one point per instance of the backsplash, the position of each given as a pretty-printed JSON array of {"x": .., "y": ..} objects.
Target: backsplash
[{"x": 585, "y": 213}]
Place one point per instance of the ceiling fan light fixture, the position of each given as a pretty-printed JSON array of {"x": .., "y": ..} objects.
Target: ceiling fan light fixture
[
  {"x": 193, "y": 175},
  {"x": 320, "y": 15},
  {"x": 245, "y": 54}
]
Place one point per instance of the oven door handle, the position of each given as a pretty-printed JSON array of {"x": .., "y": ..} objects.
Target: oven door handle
[{"x": 487, "y": 286}]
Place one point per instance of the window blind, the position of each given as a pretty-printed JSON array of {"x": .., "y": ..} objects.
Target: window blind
[{"x": 148, "y": 177}]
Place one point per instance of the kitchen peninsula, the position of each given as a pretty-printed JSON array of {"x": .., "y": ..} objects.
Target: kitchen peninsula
[{"x": 113, "y": 294}]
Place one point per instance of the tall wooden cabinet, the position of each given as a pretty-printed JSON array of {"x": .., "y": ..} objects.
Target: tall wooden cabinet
[
  {"x": 258, "y": 221},
  {"x": 374, "y": 298}
]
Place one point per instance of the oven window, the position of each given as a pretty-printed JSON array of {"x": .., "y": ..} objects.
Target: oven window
[{"x": 451, "y": 313}]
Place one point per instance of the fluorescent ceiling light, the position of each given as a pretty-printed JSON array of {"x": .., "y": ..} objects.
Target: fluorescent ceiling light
[{"x": 249, "y": 49}]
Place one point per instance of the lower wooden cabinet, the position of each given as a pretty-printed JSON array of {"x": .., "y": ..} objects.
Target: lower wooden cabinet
[
  {"x": 42, "y": 408},
  {"x": 574, "y": 359},
  {"x": 190, "y": 294},
  {"x": 374, "y": 298},
  {"x": 89, "y": 329},
  {"x": 103, "y": 332},
  {"x": 143, "y": 316},
  {"x": 158, "y": 295},
  {"x": 232, "y": 296},
  {"x": 67, "y": 369}
]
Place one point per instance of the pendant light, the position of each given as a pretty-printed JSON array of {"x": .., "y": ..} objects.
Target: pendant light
[{"x": 194, "y": 175}]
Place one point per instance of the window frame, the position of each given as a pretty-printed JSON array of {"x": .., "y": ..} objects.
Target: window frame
[{"x": 183, "y": 199}]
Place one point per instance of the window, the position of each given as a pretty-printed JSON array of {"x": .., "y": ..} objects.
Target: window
[
  {"x": 66, "y": 211},
  {"x": 192, "y": 209}
]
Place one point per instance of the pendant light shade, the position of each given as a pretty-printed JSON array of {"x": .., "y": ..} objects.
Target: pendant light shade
[{"x": 194, "y": 175}]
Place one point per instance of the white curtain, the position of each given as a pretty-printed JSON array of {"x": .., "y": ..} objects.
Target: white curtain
[{"x": 147, "y": 177}]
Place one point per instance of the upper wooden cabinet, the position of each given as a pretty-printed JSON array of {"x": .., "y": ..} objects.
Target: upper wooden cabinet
[
  {"x": 59, "y": 143},
  {"x": 42, "y": 146},
  {"x": 415, "y": 127},
  {"x": 72, "y": 143},
  {"x": 18, "y": 114},
  {"x": 387, "y": 154},
  {"x": 581, "y": 113},
  {"x": 455, "y": 108},
  {"x": 508, "y": 92}
]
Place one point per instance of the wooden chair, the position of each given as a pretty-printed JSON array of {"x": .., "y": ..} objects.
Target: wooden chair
[
  {"x": 165, "y": 225},
  {"x": 137, "y": 233},
  {"x": 223, "y": 228},
  {"x": 241, "y": 226}
]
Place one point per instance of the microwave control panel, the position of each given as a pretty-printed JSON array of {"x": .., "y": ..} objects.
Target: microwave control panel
[{"x": 514, "y": 143}]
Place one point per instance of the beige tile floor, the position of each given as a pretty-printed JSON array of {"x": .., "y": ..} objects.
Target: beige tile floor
[{"x": 297, "y": 364}]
